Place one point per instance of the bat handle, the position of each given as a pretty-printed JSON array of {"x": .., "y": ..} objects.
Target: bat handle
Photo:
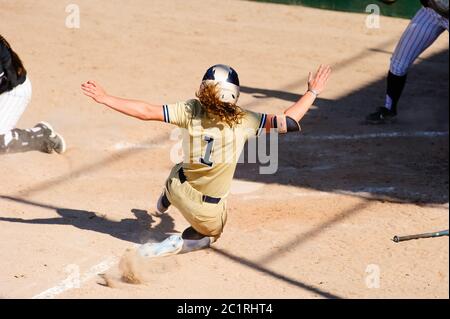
[{"x": 398, "y": 239}]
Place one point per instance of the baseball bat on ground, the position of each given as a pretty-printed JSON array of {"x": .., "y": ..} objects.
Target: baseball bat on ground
[{"x": 398, "y": 239}]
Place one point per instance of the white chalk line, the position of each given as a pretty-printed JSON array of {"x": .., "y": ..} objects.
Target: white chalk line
[
  {"x": 139, "y": 146},
  {"x": 365, "y": 192},
  {"x": 73, "y": 283},
  {"x": 424, "y": 134}
]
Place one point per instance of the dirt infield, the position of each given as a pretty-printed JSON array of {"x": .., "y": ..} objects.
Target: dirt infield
[{"x": 319, "y": 228}]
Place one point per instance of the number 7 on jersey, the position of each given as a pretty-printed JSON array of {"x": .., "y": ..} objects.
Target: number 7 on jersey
[{"x": 206, "y": 160}]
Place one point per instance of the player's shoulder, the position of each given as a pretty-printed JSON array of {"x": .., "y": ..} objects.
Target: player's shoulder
[
  {"x": 249, "y": 115},
  {"x": 252, "y": 120},
  {"x": 194, "y": 108}
]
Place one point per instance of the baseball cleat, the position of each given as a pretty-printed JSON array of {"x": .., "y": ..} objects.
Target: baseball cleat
[
  {"x": 161, "y": 208},
  {"x": 54, "y": 141},
  {"x": 381, "y": 116},
  {"x": 58, "y": 143},
  {"x": 171, "y": 246},
  {"x": 47, "y": 129}
]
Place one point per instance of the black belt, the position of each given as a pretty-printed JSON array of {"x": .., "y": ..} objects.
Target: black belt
[{"x": 205, "y": 198}]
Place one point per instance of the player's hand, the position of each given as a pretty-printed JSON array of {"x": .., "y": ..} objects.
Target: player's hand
[
  {"x": 318, "y": 82},
  {"x": 95, "y": 91}
]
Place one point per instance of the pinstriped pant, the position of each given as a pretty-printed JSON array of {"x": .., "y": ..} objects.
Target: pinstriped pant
[
  {"x": 13, "y": 105},
  {"x": 422, "y": 32}
]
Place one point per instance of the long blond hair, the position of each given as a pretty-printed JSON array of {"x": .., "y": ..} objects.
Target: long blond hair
[{"x": 209, "y": 97}]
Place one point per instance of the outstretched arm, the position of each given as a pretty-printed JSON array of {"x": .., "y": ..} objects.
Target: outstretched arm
[
  {"x": 316, "y": 85},
  {"x": 138, "y": 109}
]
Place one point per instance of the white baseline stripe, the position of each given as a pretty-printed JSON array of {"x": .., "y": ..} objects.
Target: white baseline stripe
[
  {"x": 363, "y": 192},
  {"x": 425, "y": 134},
  {"x": 357, "y": 191},
  {"x": 72, "y": 283},
  {"x": 139, "y": 146}
]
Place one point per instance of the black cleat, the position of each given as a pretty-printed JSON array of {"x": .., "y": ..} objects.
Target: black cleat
[
  {"x": 162, "y": 206},
  {"x": 381, "y": 116}
]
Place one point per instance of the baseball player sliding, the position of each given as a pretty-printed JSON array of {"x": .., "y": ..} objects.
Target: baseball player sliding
[
  {"x": 215, "y": 131},
  {"x": 15, "y": 95},
  {"x": 428, "y": 24}
]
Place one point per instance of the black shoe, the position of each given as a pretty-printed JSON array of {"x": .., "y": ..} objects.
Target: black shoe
[
  {"x": 381, "y": 116},
  {"x": 162, "y": 206}
]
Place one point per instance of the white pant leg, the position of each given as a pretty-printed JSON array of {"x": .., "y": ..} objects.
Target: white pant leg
[
  {"x": 13, "y": 105},
  {"x": 423, "y": 30}
]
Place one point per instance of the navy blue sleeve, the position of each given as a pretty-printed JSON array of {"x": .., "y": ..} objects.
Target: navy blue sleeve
[{"x": 5, "y": 56}]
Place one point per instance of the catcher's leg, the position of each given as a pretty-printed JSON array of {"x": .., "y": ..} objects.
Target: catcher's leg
[
  {"x": 40, "y": 138},
  {"x": 12, "y": 105}
]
